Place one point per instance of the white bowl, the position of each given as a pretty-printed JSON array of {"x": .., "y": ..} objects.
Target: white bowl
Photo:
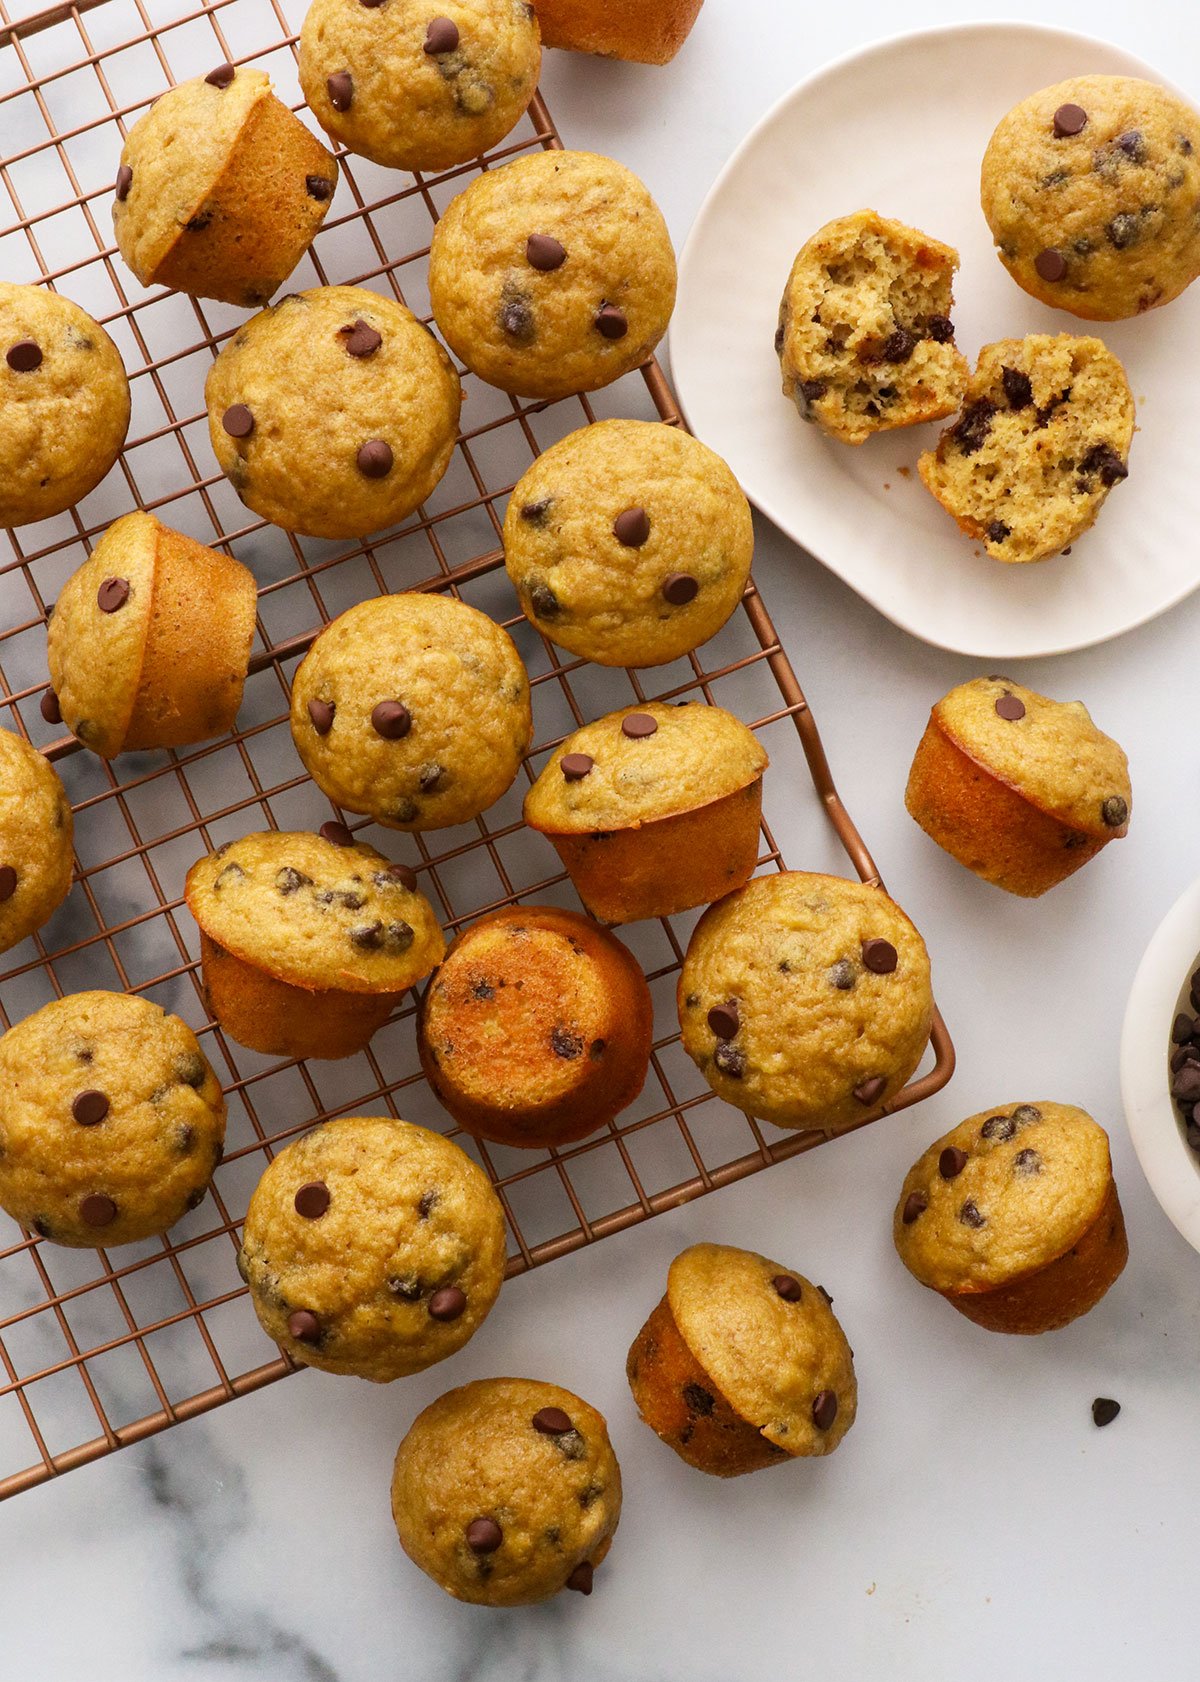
[{"x": 1159, "y": 993}]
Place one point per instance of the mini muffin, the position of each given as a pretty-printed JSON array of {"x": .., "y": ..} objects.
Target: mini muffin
[
  {"x": 1090, "y": 190},
  {"x": 221, "y": 189},
  {"x": 36, "y": 840},
  {"x": 372, "y": 1247},
  {"x": 506, "y": 1491},
  {"x": 1021, "y": 789},
  {"x": 414, "y": 89},
  {"x": 628, "y": 542},
  {"x": 150, "y": 640},
  {"x": 64, "y": 404},
  {"x": 653, "y": 809},
  {"x": 308, "y": 942},
  {"x": 111, "y": 1120},
  {"x": 1043, "y": 437},
  {"x": 413, "y": 708},
  {"x": 1013, "y": 1217},
  {"x": 742, "y": 1364},
  {"x": 553, "y": 274},
  {"x": 644, "y": 31},
  {"x": 865, "y": 339},
  {"x": 333, "y": 413},
  {"x": 537, "y": 1028},
  {"x": 805, "y": 1000}
]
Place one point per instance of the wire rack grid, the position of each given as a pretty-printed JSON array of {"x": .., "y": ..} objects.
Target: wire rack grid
[{"x": 98, "y": 1351}]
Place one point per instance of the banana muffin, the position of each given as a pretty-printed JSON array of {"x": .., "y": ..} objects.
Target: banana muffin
[
  {"x": 865, "y": 340},
  {"x": 805, "y": 1000},
  {"x": 643, "y": 31},
  {"x": 36, "y": 840},
  {"x": 149, "y": 641},
  {"x": 1043, "y": 436},
  {"x": 506, "y": 1491},
  {"x": 413, "y": 708},
  {"x": 1090, "y": 190},
  {"x": 653, "y": 809},
  {"x": 308, "y": 942},
  {"x": 64, "y": 404},
  {"x": 742, "y": 1364},
  {"x": 1021, "y": 789},
  {"x": 1013, "y": 1217},
  {"x": 536, "y": 1030},
  {"x": 111, "y": 1120},
  {"x": 372, "y": 1247},
  {"x": 553, "y": 274},
  {"x": 414, "y": 86},
  {"x": 221, "y": 189},
  {"x": 628, "y": 542},
  {"x": 333, "y": 413}
]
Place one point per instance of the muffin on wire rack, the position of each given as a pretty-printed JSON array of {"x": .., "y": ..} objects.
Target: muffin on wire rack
[{"x": 36, "y": 840}]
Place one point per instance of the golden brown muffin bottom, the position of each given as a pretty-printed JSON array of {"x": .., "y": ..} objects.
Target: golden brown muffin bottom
[
  {"x": 282, "y": 1020},
  {"x": 628, "y": 29}
]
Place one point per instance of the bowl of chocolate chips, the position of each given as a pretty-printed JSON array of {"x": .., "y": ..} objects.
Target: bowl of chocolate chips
[{"x": 1160, "y": 1064}]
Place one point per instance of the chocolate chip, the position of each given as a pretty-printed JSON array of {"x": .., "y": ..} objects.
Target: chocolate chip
[
  {"x": 112, "y": 595},
  {"x": 1105, "y": 461},
  {"x": 1018, "y": 388},
  {"x": 1104, "y": 1410},
  {"x": 611, "y": 322},
  {"x": 552, "y": 1422},
  {"x": 304, "y": 1326},
  {"x": 1186, "y": 1085},
  {"x": 535, "y": 512},
  {"x": 24, "y": 356},
  {"x": 516, "y": 315},
  {"x": 581, "y": 1577},
  {"x": 637, "y": 726},
  {"x": 941, "y": 329},
  {"x": 221, "y": 76},
  {"x": 915, "y": 1204},
  {"x": 565, "y": 1044},
  {"x": 319, "y": 187},
  {"x": 879, "y": 956},
  {"x": 969, "y": 1215},
  {"x": 360, "y": 339},
  {"x": 575, "y": 766},
  {"x": 340, "y": 88},
  {"x": 49, "y": 708},
  {"x": 432, "y": 777},
  {"x": 406, "y": 1287},
  {"x": 1123, "y": 230},
  {"x": 543, "y": 601},
  {"x": 402, "y": 873},
  {"x": 824, "y": 1410},
  {"x": 632, "y": 527},
  {"x": 441, "y": 36},
  {"x": 973, "y": 425},
  {"x": 730, "y": 1061},
  {"x": 312, "y": 1200},
  {"x": 124, "y": 183},
  {"x": 368, "y": 938},
  {"x": 699, "y": 1400},
  {"x": 8, "y": 882},
  {"x": 1027, "y": 1162},
  {"x": 374, "y": 459},
  {"x": 870, "y": 1090},
  {"x": 724, "y": 1020},
  {"x": 899, "y": 346},
  {"x": 290, "y": 881},
  {"x": 1069, "y": 119},
  {"x": 321, "y": 716},
  {"x": 997, "y": 531},
  {"x": 98, "y": 1210},
  {"x": 812, "y": 391},
  {"x": 951, "y": 1162},
  {"x": 447, "y": 1303},
  {"x": 398, "y": 937},
  {"x": 427, "y": 1203},
  {"x": 238, "y": 421},
  {"x": 1010, "y": 707},
  {"x": 1182, "y": 1030},
  {"x": 1133, "y": 144},
  {"x": 788, "y": 1288},
  {"x": 544, "y": 253},
  {"x": 1025, "y": 1113},
  {"x": 1114, "y": 811},
  {"x": 391, "y": 719},
  {"x": 841, "y": 975},
  {"x": 336, "y": 832},
  {"x": 679, "y": 588},
  {"x": 1050, "y": 264},
  {"x": 89, "y": 1108},
  {"x": 998, "y": 1127}
]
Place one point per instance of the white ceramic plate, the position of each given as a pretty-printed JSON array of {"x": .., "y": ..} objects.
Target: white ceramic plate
[{"x": 901, "y": 127}]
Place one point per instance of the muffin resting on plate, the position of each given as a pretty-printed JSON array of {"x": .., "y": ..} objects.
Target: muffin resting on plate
[
  {"x": 865, "y": 338},
  {"x": 36, "y": 840},
  {"x": 1013, "y": 1217},
  {"x": 1021, "y": 789}
]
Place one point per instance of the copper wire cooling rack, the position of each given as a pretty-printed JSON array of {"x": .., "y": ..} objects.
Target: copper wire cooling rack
[{"x": 101, "y": 1350}]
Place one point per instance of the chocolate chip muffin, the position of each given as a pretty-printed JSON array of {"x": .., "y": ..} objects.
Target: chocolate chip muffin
[
  {"x": 372, "y": 1247},
  {"x": 643, "y": 31},
  {"x": 417, "y": 85},
  {"x": 1090, "y": 190},
  {"x": 653, "y": 809},
  {"x": 111, "y": 1120},
  {"x": 628, "y": 542},
  {"x": 36, "y": 840},
  {"x": 1021, "y": 789},
  {"x": 506, "y": 1491},
  {"x": 308, "y": 942},
  {"x": 221, "y": 189},
  {"x": 865, "y": 338},
  {"x": 64, "y": 404},
  {"x": 150, "y": 640},
  {"x": 742, "y": 1364},
  {"x": 1043, "y": 436},
  {"x": 553, "y": 274},
  {"x": 333, "y": 413},
  {"x": 413, "y": 708},
  {"x": 805, "y": 1000},
  {"x": 536, "y": 1030},
  {"x": 1013, "y": 1217}
]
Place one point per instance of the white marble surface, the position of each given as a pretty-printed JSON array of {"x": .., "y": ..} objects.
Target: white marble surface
[{"x": 975, "y": 1523}]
